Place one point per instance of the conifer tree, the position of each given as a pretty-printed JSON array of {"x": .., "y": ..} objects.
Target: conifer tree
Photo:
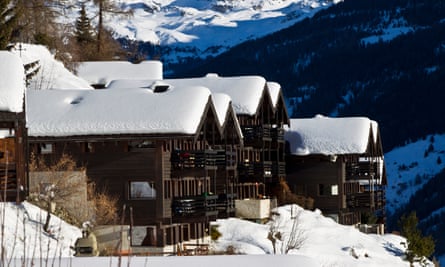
[
  {"x": 419, "y": 247},
  {"x": 84, "y": 31},
  {"x": 8, "y": 19}
]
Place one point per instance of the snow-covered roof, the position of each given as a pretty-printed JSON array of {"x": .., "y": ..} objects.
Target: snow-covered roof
[
  {"x": 245, "y": 91},
  {"x": 222, "y": 104},
  {"x": 12, "y": 82},
  {"x": 274, "y": 89},
  {"x": 221, "y": 101},
  {"x": 130, "y": 111},
  {"x": 330, "y": 136},
  {"x": 52, "y": 73},
  {"x": 103, "y": 72}
]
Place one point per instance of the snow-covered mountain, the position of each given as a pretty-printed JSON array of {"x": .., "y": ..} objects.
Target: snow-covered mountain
[
  {"x": 410, "y": 167},
  {"x": 200, "y": 28}
]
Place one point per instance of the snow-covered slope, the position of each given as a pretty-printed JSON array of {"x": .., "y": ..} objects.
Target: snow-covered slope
[
  {"x": 22, "y": 233},
  {"x": 322, "y": 239},
  {"x": 324, "y": 243},
  {"x": 200, "y": 28},
  {"x": 52, "y": 73},
  {"x": 411, "y": 166}
]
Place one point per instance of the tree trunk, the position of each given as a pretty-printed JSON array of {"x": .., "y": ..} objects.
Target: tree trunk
[{"x": 48, "y": 217}]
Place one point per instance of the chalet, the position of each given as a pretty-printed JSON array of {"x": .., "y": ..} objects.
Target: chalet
[
  {"x": 171, "y": 162},
  {"x": 259, "y": 106},
  {"x": 260, "y": 110},
  {"x": 339, "y": 162},
  {"x": 13, "y": 178}
]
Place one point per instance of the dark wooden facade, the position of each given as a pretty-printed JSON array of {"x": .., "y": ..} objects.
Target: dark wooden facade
[
  {"x": 262, "y": 163},
  {"x": 174, "y": 184},
  {"x": 350, "y": 187},
  {"x": 13, "y": 175}
]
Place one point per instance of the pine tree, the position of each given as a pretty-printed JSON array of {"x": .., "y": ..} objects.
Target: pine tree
[
  {"x": 84, "y": 30},
  {"x": 8, "y": 19},
  {"x": 419, "y": 247}
]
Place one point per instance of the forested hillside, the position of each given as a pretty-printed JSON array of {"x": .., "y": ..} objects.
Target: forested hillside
[
  {"x": 377, "y": 58},
  {"x": 429, "y": 203}
]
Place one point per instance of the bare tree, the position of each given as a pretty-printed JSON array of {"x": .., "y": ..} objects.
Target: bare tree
[
  {"x": 288, "y": 241},
  {"x": 297, "y": 235},
  {"x": 57, "y": 185},
  {"x": 106, "y": 6}
]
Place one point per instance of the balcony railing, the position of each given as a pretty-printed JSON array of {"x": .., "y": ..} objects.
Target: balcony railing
[
  {"x": 8, "y": 181},
  {"x": 362, "y": 170},
  {"x": 277, "y": 134},
  {"x": 205, "y": 205},
  {"x": 255, "y": 133},
  {"x": 255, "y": 169},
  {"x": 279, "y": 168},
  {"x": 202, "y": 158},
  {"x": 366, "y": 200}
]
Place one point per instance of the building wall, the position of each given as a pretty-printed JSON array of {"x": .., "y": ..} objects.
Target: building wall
[{"x": 319, "y": 179}]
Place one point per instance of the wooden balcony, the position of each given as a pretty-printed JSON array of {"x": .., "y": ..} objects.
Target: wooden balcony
[
  {"x": 362, "y": 170},
  {"x": 366, "y": 201},
  {"x": 254, "y": 171},
  {"x": 192, "y": 207},
  {"x": 255, "y": 135},
  {"x": 200, "y": 159},
  {"x": 8, "y": 182},
  {"x": 277, "y": 134},
  {"x": 279, "y": 168}
]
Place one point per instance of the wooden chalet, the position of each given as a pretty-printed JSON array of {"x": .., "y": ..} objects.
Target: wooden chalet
[
  {"x": 261, "y": 113},
  {"x": 339, "y": 163},
  {"x": 171, "y": 162},
  {"x": 13, "y": 179}
]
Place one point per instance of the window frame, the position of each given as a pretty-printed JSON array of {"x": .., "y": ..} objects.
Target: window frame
[{"x": 151, "y": 195}]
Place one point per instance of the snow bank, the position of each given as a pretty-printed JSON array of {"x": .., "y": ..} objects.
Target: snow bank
[
  {"x": 324, "y": 241},
  {"x": 52, "y": 73},
  {"x": 12, "y": 82},
  {"x": 24, "y": 237}
]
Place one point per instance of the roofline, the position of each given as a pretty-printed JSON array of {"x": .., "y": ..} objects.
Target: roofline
[{"x": 110, "y": 137}]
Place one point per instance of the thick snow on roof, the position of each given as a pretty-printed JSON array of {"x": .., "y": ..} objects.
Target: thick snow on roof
[
  {"x": 274, "y": 92},
  {"x": 329, "y": 136},
  {"x": 12, "y": 82},
  {"x": 131, "y": 111},
  {"x": 245, "y": 91},
  {"x": 52, "y": 73},
  {"x": 220, "y": 101},
  {"x": 103, "y": 72},
  {"x": 222, "y": 104}
]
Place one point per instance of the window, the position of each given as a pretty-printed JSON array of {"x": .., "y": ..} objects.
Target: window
[
  {"x": 142, "y": 190},
  {"x": 327, "y": 190},
  {"x": 46, "y": 148}
]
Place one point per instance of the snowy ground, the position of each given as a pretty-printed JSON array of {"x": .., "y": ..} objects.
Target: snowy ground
[
  {"x": 411, "y": 166},
  {"x": 324, "y": 243}
]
